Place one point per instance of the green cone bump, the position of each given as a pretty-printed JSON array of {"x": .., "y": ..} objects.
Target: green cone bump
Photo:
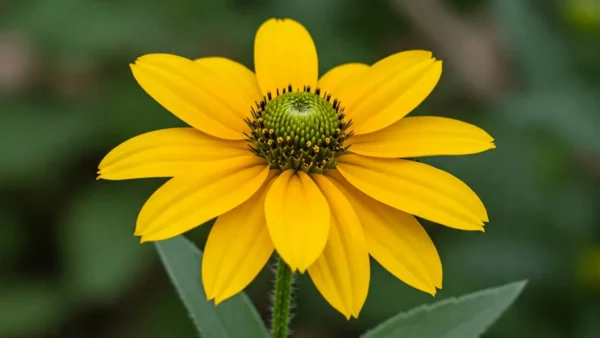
[{"x": 298, "y": 130}]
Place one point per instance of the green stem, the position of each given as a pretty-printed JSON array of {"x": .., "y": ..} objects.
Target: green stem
[{"x": 282, "y": 300}]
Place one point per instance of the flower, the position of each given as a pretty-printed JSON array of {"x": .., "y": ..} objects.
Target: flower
[{"x": 319, "y": 170}]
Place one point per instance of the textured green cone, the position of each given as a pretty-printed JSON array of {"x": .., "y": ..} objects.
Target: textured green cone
[
  {"x": 302, "y": 116},
  {"x": 299, "y": 130}
]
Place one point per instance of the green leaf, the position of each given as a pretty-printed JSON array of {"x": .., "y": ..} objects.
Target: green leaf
[
  {"x": 465, "y": 317},
  {"x": 236, "y": 317}
]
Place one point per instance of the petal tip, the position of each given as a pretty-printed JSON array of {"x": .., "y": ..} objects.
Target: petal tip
[
  {"x": 153, "y": 237},
  {"x": 356, "y": 312},
  {"x": 431, "y": 290},
  {"x": 138, "y": 230},
  {"x": 291, "y": 264},
  {"x": 300, "y": 267}
]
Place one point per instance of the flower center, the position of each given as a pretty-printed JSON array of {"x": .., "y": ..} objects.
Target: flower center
[{"x": 299, "y": 130}]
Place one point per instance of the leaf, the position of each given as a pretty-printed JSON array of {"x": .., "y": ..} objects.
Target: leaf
[
  {"x": 236, "y": 317},
  {"x": 465, "y": 317}
]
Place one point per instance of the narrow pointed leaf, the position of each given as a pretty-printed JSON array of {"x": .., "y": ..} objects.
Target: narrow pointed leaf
[
  {"x": 234, "y": 318},
  {"x": 468, "y": 316}
]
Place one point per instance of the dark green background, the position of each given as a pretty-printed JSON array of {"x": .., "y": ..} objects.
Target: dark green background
[{"x": 526, "y": 71}]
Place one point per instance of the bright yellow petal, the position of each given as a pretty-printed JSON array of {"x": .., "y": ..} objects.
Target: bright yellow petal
[
  {"x": 284, "y": 54},
  {"x": 237, "y": 81},
  {"x": 194, "y": 93},
  {"x": 187, "y": 201},
  {"x": 423, "y": 136},
  {"x": 336, "y": 76},
  {"x": 298, "y": 219},
  {"x": 166, "y": 153},
  {"x": 389, "y": 90},
  {"x": 342, "y": 273},
  {"x": 237, "y": 249},
  {"x": 416, "y": 188},
  {"x": 356, "y": 89},
  {"x": 395, "y": 239}
]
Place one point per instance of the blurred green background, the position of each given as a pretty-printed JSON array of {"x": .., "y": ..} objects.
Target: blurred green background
[{"x": 526, "y": 71}]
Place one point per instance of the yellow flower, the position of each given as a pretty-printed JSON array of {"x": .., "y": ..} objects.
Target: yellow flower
[{"x": 309, "y": 167}]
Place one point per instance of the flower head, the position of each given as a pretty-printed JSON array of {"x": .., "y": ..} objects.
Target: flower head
[{"x": 318, "y": 170}]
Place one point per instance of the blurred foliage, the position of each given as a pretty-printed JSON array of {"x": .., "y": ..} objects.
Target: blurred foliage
[{"x": 70, "y": 266}]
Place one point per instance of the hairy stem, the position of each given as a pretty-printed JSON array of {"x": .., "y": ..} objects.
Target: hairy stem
[{"x": 282, "y": 300}]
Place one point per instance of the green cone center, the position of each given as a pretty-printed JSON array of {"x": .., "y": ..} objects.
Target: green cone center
[
  {"x": 302, "y": 117},
  {"x": 299, "y": 130}
]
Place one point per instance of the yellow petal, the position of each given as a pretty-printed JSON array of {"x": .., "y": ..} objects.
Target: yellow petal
[
  {"x": 237, "y": 82},
  {"x": 166, "y": 153},
  {"x": 423, "y": 136},
  {"x": 389, "y": 90},
  {"x": 187, "y": 201},
  {"x": 237, "y": 249},
  {"x": 355, "y": 89},
  {"x": 336, "y": 76},
  {"x": 194, "y": 93},
  {"x": 342, "y": 273},
  {"x": 284, "y": 54},
  {"x": 395, "y": 239},
  {"x": 298, "y": 219},
  {"x": 416, "y": 188}
]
